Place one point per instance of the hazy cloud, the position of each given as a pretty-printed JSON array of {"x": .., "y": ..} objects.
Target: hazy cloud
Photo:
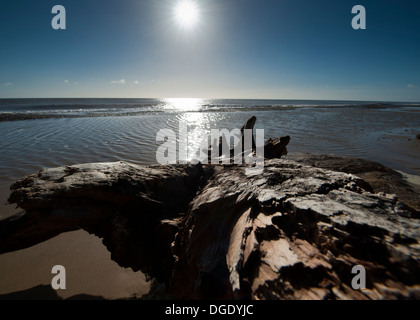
[
  {"x": 412, "y": 85},
  {"x": 74, "y": 82},
  {"x": 122, "y": 81},
  {"x": 136, "y": 82},
  {"x": 8, "y": 84}
]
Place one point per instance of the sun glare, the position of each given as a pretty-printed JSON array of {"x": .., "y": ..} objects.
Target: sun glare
[
  {"x": 186, "y": 13},
  {"x": 184, "y": 104}
]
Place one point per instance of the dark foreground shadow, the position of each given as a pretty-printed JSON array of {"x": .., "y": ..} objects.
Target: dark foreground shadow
[{"x": 44, "y": 292}]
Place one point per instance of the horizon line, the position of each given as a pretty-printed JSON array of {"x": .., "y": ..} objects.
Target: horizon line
[{"x": 287, "y": 99}]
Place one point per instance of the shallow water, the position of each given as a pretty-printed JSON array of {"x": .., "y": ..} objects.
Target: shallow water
[{"x": 382, "y": 133}]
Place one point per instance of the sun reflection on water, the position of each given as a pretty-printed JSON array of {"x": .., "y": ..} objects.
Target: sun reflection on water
[
  {"x": 184, "y": 104},
  {"x": 193, "y": 124},
  {"x": 197, "y": 127}
]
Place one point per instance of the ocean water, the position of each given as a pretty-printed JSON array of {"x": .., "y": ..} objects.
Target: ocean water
[{"x": 40, "y": 133}]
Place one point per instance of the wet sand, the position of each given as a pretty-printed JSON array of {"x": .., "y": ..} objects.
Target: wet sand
[
  {"x": 90, "y": 272},
  {"x": 411, "y": 178}
]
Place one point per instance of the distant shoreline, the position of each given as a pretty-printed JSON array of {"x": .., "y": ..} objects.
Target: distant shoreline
[{"x": 77, "y": 111}]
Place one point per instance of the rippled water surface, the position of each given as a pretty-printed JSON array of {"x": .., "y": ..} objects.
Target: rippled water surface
[{"x": 383, "y": 133}]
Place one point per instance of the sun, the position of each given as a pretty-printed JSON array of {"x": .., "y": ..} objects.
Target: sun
[{"x": 186, "y": 13}]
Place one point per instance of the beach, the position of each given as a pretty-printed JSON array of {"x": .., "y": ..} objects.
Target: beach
[
  {"x": 60, "y": 134},
  {"x": 131, "y": 141}
]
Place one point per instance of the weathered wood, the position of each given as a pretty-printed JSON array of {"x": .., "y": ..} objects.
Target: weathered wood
[{"x": 293, "y": 232}]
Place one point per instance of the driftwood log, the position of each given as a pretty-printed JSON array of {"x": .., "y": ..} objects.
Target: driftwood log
[{"x": 273, "y": 148}]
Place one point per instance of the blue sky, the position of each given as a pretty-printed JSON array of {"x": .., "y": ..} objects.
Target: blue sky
[{"x": 284, "y": 49}]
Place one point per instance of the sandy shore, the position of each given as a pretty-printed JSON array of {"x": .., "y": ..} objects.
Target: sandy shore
[
  {"x": 411, "y": 178},
  {"x": 89, "y": 270},
  {"x": 26, "y": 274}
]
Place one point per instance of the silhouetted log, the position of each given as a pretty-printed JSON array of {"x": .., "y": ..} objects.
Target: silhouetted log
[
  {"x": 273, "y": 148},
  {"x": 276, "y": 148}
]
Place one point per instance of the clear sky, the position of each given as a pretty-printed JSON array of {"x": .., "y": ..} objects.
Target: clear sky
[{"x": 284, "y": 49}]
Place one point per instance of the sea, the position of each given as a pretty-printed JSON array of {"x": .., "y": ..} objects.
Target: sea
[{"x": 42, "y": 133}]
